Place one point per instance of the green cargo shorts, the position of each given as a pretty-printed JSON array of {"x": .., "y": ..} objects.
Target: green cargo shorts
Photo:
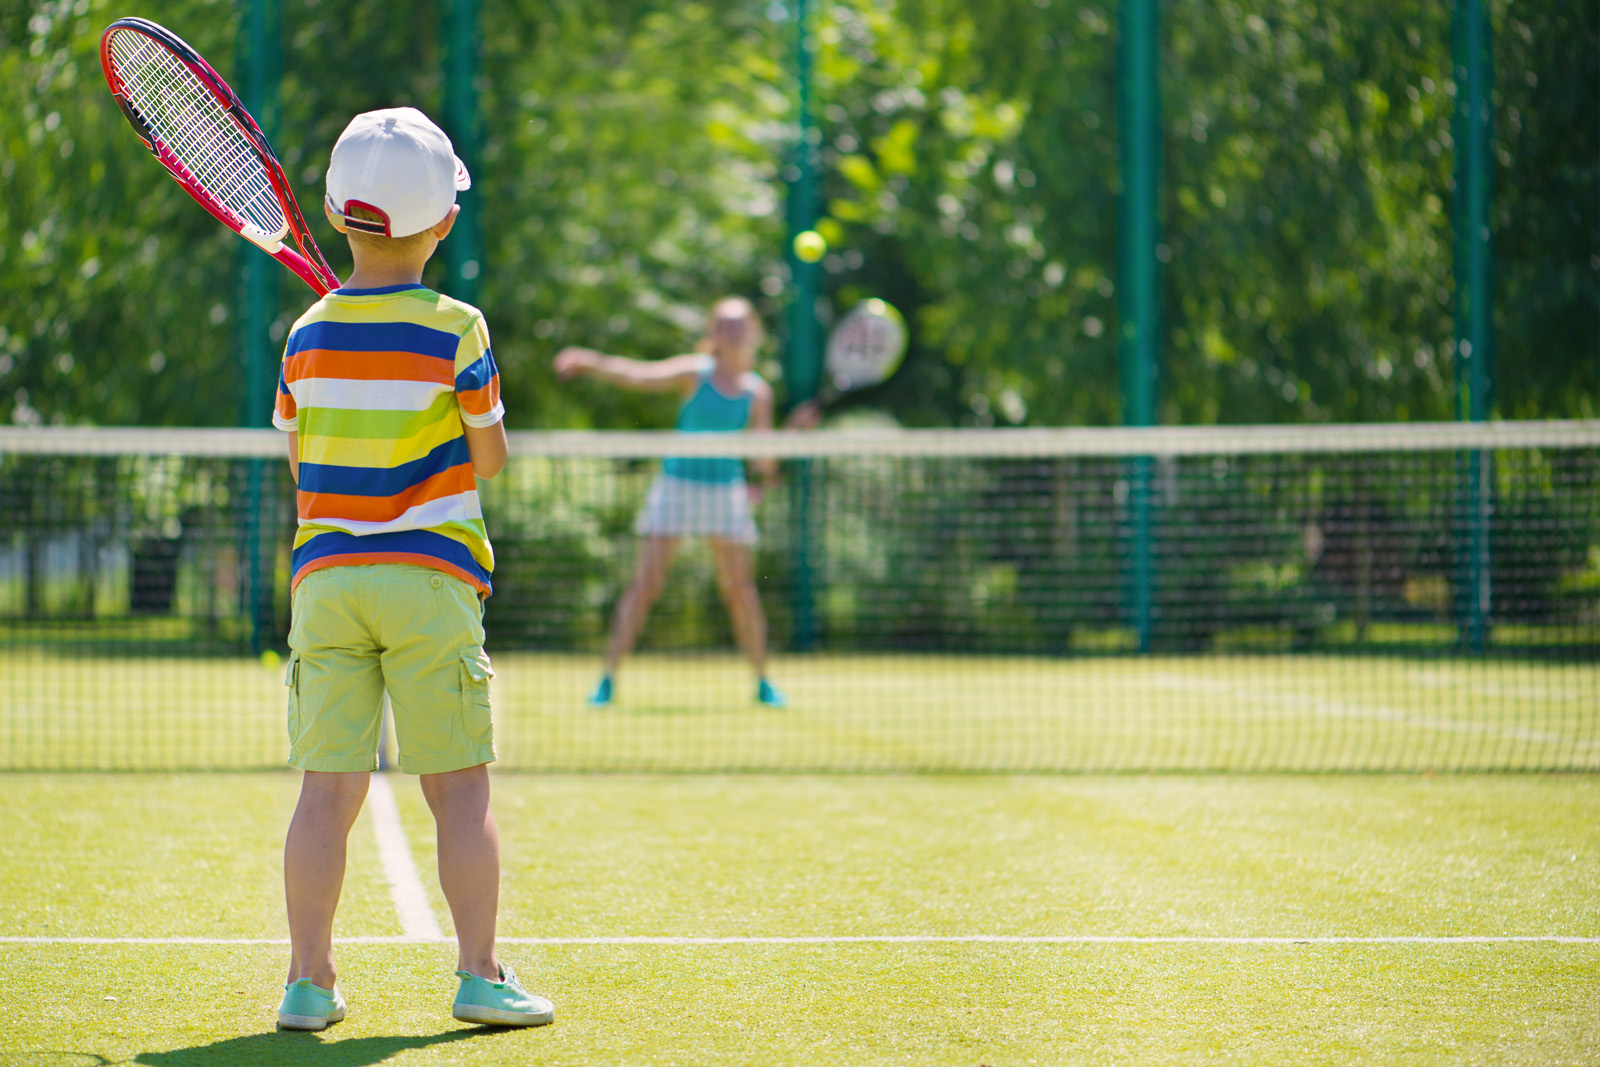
[{"x": 417, "y": 632}]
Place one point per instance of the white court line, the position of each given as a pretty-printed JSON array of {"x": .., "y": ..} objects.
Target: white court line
[
  {"x": 886, "y": 939},
  {"x": 417, "y": 921}
]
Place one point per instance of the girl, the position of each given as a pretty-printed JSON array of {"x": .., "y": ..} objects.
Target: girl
[{"x": 697, "y": 496}]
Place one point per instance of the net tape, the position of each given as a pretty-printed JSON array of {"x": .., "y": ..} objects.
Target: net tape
[{"x": 1116, "y": 441}]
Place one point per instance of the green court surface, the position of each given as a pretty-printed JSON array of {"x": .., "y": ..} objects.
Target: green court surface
[
  {"x": 69, "y": 709},
  {"x": 795, "y": 919}
]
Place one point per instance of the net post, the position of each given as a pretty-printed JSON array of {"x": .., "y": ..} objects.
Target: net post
[
  {"x": 1472, "y": 46},
  {"x": 260, "y": 51},
  {"x": 801, "y": 369},
  {"x": 1138, "y": 291},
  {"x": 462, "y": 256}
]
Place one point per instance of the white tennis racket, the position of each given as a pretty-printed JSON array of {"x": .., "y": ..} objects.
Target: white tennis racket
[{"x": 864, "y": 349}]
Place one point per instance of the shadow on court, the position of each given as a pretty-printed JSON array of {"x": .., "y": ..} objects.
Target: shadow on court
[{"x": 291, "y": 1048}]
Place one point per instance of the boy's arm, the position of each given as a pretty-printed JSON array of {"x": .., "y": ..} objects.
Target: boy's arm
[
  {"x": 285, "y": 417},
  {"x": 651, "y": 376},
  {"x": 483, "y": 416},
  {"x": 487, "y": 447}
]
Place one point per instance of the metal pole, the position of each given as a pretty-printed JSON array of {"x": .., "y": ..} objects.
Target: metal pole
[
  {"x": 1138, "y": 294},
  {"x": 801, "y": 365},
  {"x": 463, "y": 257},
  {"x": 259, "y": 62},
  {"x": 1474, "y": 304}
]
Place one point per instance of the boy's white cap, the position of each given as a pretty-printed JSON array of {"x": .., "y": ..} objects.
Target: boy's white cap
[{"x": 397, "y": 163}]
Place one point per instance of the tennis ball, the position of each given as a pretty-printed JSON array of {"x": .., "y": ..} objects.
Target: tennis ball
[
  {"x": 270, "y": 659},
  {"x": 810, "y": 246}
]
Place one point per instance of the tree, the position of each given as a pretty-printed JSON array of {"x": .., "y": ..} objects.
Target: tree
[{"x": 630, "y": 172}]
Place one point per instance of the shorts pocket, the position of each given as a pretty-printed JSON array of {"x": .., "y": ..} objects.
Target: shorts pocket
[
  {"x": 475, "y": 674},
  {"x": 291, "y": 681}
]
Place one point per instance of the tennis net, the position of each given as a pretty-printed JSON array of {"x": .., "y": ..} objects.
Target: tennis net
[{"x": 1370, "y": 598}]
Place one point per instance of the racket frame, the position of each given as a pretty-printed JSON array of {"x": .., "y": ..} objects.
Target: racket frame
[
  {"x": 308, "y": 262},
  {"x": 874, "y": 308}
]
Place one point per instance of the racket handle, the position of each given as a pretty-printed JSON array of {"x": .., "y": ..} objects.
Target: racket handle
[{"x": 303, "y": 267}]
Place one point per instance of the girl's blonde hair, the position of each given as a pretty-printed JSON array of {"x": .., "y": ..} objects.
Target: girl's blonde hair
[{"x": 750, "y": 316}]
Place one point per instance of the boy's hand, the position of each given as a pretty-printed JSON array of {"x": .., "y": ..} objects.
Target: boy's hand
[{"x": 572, "y": 362}]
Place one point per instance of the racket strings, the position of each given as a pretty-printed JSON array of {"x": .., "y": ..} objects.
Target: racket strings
[
  {"x": 862, "y": 349},
  {"x": 189, "y": 122}
]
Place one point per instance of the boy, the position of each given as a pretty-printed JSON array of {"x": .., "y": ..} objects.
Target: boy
[{"x": 390, "y": 396}]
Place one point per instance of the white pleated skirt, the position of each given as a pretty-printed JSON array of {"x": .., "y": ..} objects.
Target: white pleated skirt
[{"x": 681, "y": 507}]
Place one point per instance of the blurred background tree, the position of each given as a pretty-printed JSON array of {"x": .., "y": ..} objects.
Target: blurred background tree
[{"x": 630, "y": 172}]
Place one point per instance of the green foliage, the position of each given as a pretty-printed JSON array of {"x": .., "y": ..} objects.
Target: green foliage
[
  {"x": 113, "y": 312},
  {"x": 630, "y": 170}
]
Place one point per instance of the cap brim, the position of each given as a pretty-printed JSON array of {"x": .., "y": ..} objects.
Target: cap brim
[{"x": 463, "y": 179}]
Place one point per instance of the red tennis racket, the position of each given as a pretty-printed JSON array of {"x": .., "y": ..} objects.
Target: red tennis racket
[{"x": 195, "y": 125}]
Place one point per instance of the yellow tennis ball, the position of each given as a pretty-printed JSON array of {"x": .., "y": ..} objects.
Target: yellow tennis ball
[
  {"x": 270, "y": 659},
  {"x": 810, "y": 246}
]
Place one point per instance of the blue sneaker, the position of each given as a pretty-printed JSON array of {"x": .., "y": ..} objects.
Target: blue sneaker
[
  {"x": 602, "y": 693},
  {"x": 502, "y": 1003},
  {"x": 309, "y": 1007},
  {"x": 771, "y": 695}
]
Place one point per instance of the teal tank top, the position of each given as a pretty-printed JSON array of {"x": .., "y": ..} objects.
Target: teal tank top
[{"x": 710, "y": 411}]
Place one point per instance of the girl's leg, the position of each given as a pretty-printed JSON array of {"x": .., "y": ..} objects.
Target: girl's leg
[
  {"x": 650, "y": 574},
  {"x": 313, "y": 868},
  {"x": 736, "y": 583}
]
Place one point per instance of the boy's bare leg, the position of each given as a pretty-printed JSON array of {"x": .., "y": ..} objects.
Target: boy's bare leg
[
  {"x": 469, "y": 862},
  {"x": 313, "y": 867}
]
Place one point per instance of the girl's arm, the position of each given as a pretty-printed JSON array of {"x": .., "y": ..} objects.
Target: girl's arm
[
  {"x": 766, "y": 468},
  {"x": 678, "y": 373}
]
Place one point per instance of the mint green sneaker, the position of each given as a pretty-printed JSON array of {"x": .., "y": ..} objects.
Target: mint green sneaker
[
  {"x": 502, "y": 1003},
  {"x": 309, "y": 1007}
]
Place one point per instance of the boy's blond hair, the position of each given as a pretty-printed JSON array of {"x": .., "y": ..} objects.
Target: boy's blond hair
[{"x": 377, "y": 242}]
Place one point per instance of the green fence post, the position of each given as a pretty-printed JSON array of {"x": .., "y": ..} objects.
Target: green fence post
[
  {"x": 1472, "y": 45},
  {"x": 1139, "y": 288},
  {"x": 260, "y": 53},
  {"x": 801, "y": 369},
  {"x": 462, "y": 256}
]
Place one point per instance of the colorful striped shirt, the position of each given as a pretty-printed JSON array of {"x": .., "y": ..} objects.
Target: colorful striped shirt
[{"x": 378, "y": 383}]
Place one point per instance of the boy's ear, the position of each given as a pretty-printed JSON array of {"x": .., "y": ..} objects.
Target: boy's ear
[
  {"x": 337, "y": 222},
  {"x": 442, "y": 230}
]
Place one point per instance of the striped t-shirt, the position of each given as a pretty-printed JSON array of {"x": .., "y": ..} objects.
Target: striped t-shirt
[{"x": 378, "y": 382}]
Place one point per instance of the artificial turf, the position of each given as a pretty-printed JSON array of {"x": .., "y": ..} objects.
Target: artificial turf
[
  {"x": 72, "y": 710},
  {"x": 795, "y": 856}
]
